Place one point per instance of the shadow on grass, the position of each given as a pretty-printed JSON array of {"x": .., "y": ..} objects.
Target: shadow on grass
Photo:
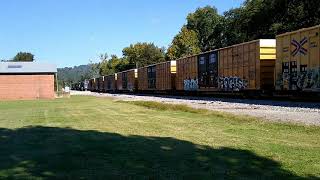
[{"x": 62, "y": 153}]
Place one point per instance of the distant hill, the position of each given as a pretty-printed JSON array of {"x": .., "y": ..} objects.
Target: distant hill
[{"x": 69, "y": 75}]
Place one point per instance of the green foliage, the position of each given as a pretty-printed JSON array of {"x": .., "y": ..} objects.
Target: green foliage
[
  {"x": 113, "y": 65},
  {"x": 206, "y": 22},
  {"x": 106, "y": 66},
  {"x": 70, "y": 75},
  {"x": 255, "y": 19},
  {"x": 24, "y": 56},
  {"x": 184, "y": 44},
  {"x": 103, "y": 65},
  {"x": 143, "y": 54},
  {"x": 140, "y": 54},
  {"x": 94, "y": 69},
  {"x": 203, "y": 32},
  {"x": 267, "y": 18},
  {"x": 294, "y": 14},
  {"x": 206, "y": 30}
]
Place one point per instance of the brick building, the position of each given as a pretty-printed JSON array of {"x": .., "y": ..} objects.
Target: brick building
[{"x": 27, "y": 81}]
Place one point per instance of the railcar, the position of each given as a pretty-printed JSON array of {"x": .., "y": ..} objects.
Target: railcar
[
  {"x": 243, "y": 67},
  {"x": 157, "y": 77},
  {"x": 126, "y": 81},
  {"x": 101, "y": 84},
  {"x": 73, "y": 87},
  {"x": 91, "y": 85},
  {"x": 96, "y": 84},
  {"x": 289, "y": 63},
  {"x": 85, "y": 85},
  {"x": 80, "y": 86},
  {"x": 298, "y": 61},
  {"x": 109, "y": 83}
]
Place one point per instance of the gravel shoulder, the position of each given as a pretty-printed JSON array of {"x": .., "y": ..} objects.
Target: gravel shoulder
[{"x": 279, "y": 111}]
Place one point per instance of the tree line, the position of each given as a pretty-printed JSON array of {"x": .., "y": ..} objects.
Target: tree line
[
  {"x": 255, "y": 19},
  {"x": 206, "y": 29},
  {"x": 135, "y": 55},
  {"x": 21, "y": 57}
]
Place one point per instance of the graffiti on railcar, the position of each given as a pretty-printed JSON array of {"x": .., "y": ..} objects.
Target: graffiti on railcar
[
  {"x": 298, "y": 46},
  {"x": 130, "y": 87},
  {"x": 191, "y": 84},
  {"x": 232, "y": 83},
  {"x": 309, "y": 79}
]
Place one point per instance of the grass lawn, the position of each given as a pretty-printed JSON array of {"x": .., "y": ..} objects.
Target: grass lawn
[{"x": 98, "y": 138}]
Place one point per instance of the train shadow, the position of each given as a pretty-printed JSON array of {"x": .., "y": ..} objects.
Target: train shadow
[
  {"x": 278, "y": 103},
  {"x": 64, "y": 153}
]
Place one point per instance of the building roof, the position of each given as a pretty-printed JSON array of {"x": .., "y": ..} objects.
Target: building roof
[{"x": 26, "y": 68}]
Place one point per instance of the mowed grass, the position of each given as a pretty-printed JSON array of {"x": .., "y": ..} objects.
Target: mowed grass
[{"x": 100, "y": 138}]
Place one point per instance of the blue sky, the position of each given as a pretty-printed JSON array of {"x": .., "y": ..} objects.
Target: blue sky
[{"x": 70, "y": 32}]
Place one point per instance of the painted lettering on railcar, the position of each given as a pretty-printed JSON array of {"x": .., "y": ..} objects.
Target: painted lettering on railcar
[
  {"x": 232, "y": 83},
  {"x": 191, "y": 84},
  {"x": 303, "y": 80}
]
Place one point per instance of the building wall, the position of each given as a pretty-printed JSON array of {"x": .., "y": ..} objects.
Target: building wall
[{"x": 26, "y": 87}]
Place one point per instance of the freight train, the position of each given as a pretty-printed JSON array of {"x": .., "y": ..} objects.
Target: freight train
[
  {"x": 80, "y": 86},
  {"x": 287, "y": 65}
]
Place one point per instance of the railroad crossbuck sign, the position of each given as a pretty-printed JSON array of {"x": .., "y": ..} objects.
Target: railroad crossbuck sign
[{"x": 299, "y": 47}]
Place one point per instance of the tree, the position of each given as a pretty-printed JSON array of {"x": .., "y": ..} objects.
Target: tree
[
  {"x": 120, "y": 64},
  {"x": 143, "y": 54},
  {"x": 206, "y": 22},
  {"x": 24, "y": 56},
  {"x": 140, "y": 54},
  {"x": 70, "y": 75},
  {"x": 103, "y": 64},
  {"x": 258, "y": 19},
  {"x": 295, "y": 14},
  {"x": 111, "y": 66},
  {"x": 233, "y": 32},
  {"x": 255, "y": 19},
  {"x": 94, "y": 71},
  {"x": 183, "y": 44}
]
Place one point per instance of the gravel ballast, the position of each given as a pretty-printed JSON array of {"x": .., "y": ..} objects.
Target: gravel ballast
[{"x": 280, "y": 111}]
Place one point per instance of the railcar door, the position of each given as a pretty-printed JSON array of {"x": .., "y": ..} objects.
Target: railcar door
[
  {"x": 109, "y": 82},
  {"x": 151, "y": 70},
  {"x": 97, "y": 84},
  {"x": 124, "y": 80},
  {"x": 212, "y": 69},
  {"x": 208, "y": 70},
  {"x": 203, "y": 74}
]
